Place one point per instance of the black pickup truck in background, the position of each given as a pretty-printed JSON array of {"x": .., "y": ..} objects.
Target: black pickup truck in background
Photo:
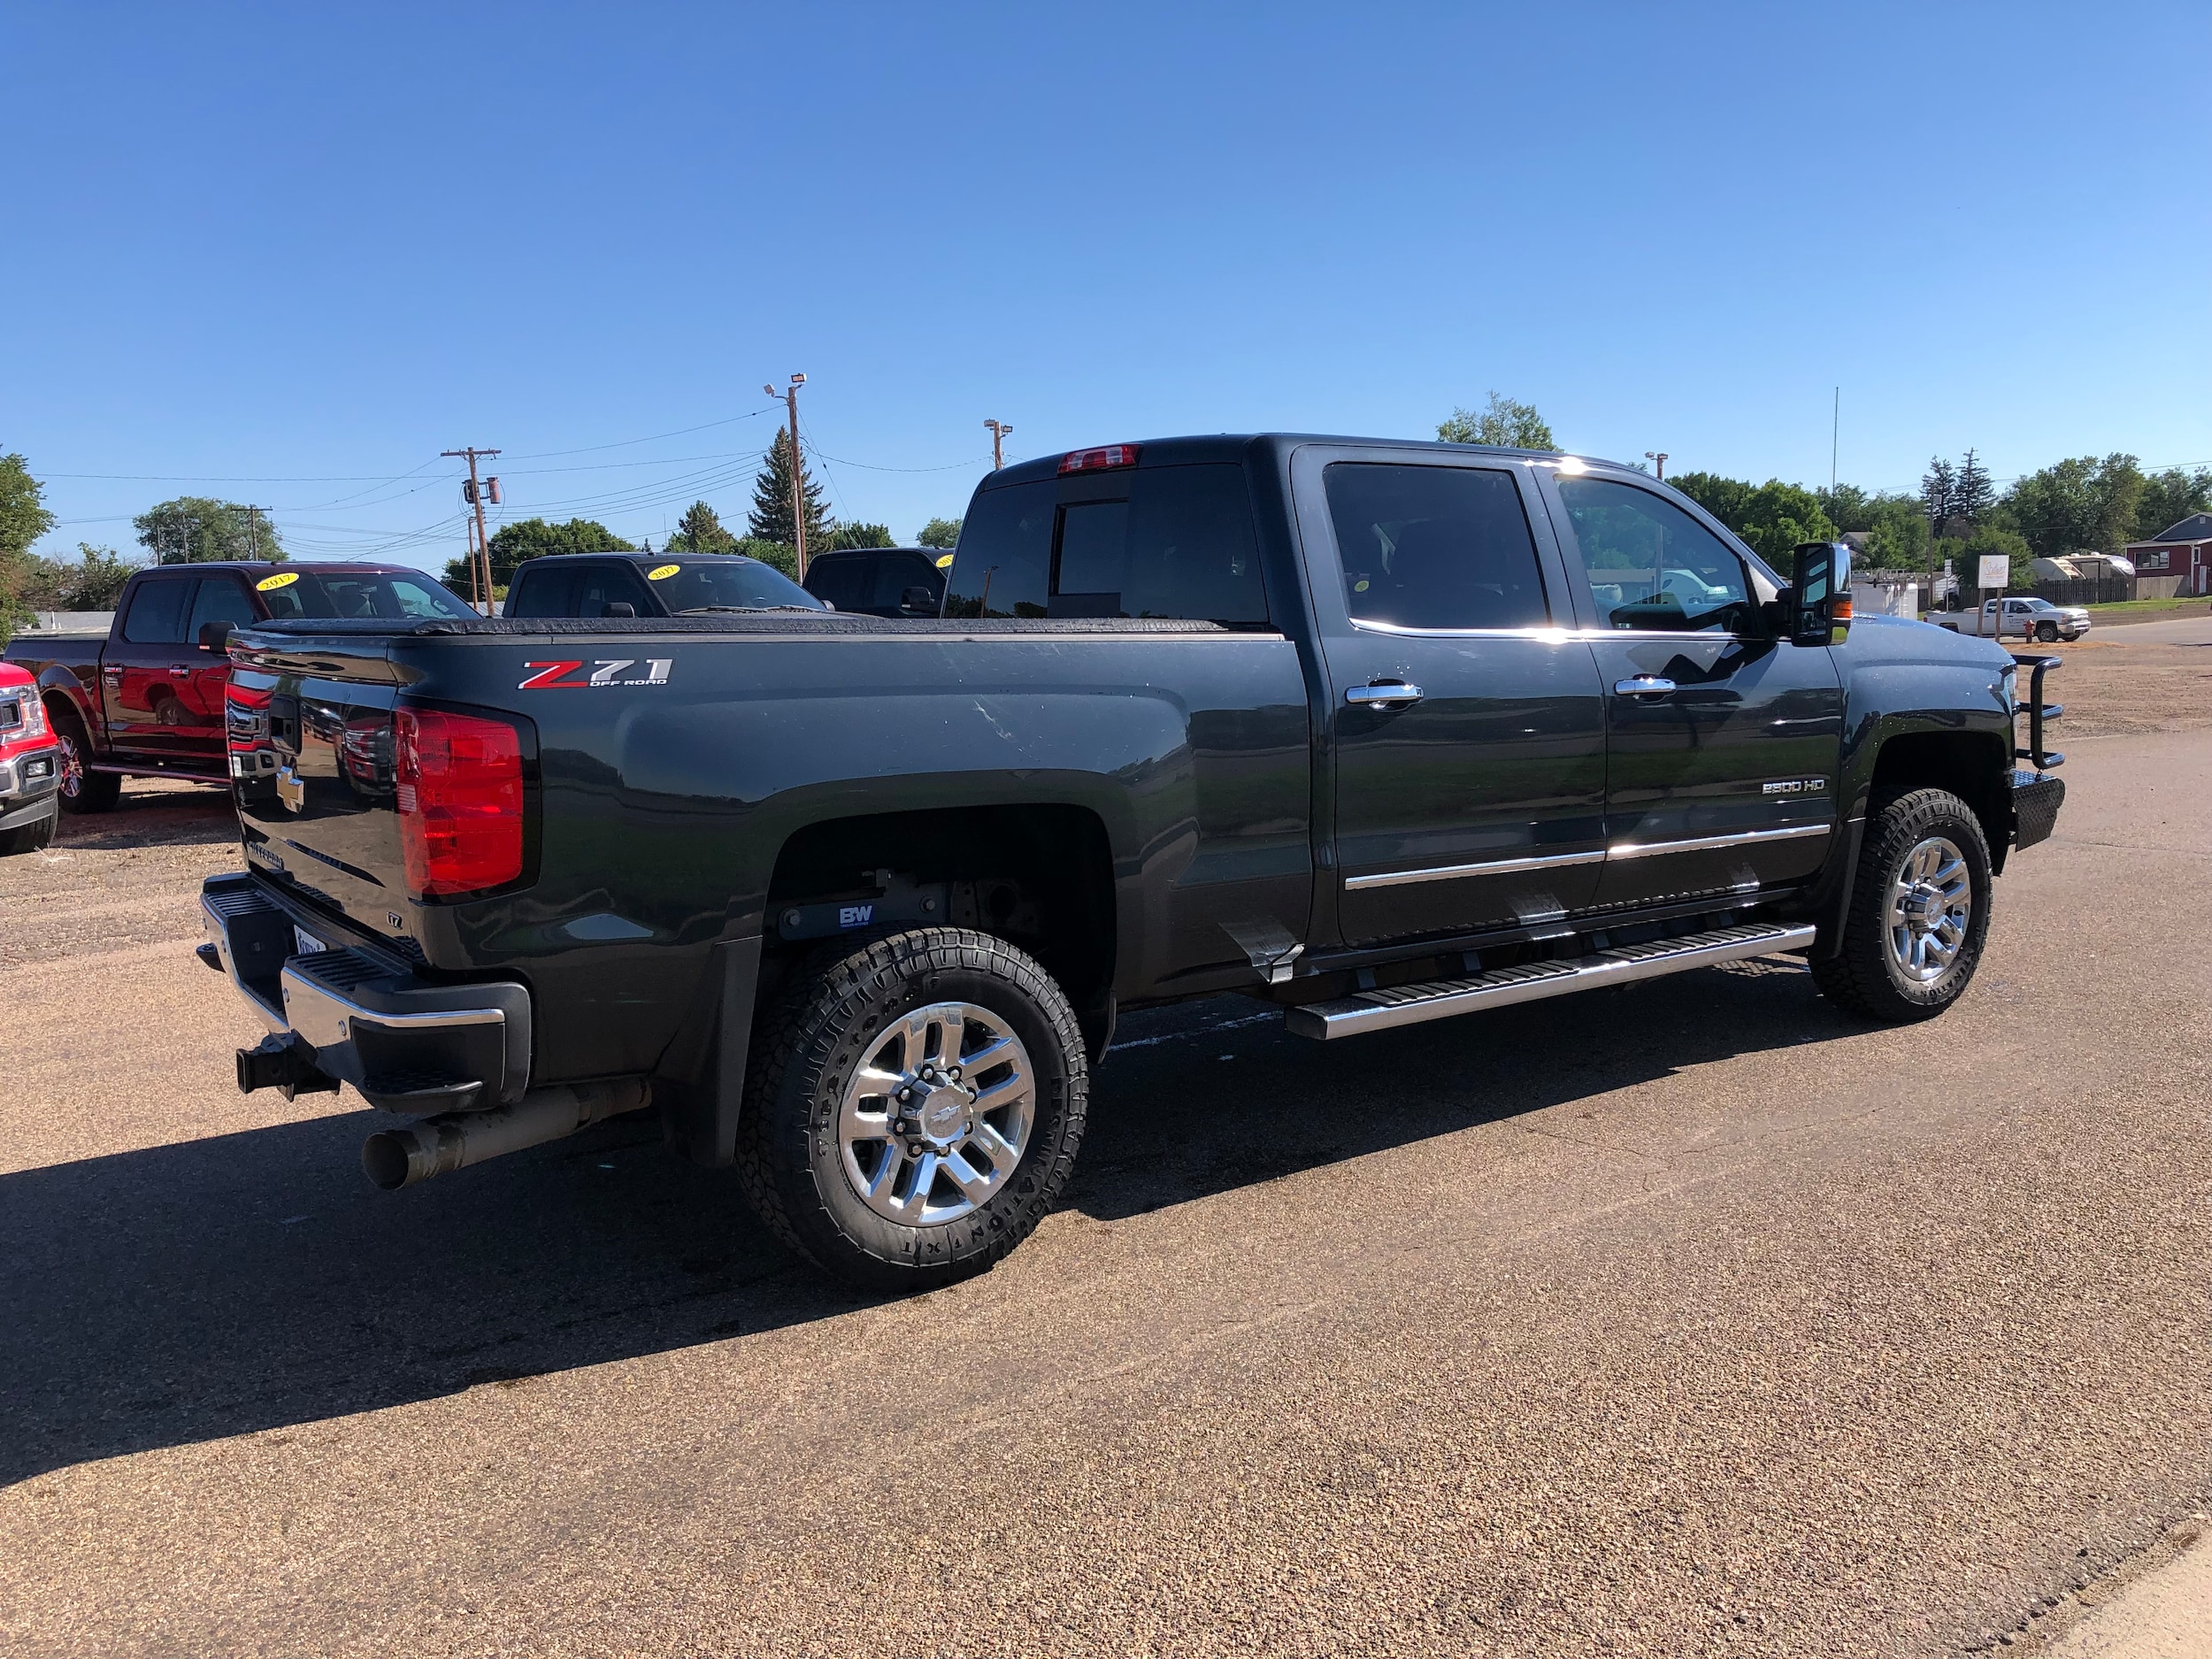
[
  {"x": 146, "y": 697},
  {"x": 1374, "y": 731}
]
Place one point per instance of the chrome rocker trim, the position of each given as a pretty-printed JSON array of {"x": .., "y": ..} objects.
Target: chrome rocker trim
[
  {"x": 1382, "y": 1008},
  {"x": 1554, "y": 861}
]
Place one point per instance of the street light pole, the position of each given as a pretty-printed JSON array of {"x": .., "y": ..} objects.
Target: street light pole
[
  {"x": 999, "y": 429},
  {"x": 1658, "y": 460}
]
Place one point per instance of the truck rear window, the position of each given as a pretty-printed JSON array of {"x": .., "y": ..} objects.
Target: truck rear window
[{"x": 1179, "y": 545}]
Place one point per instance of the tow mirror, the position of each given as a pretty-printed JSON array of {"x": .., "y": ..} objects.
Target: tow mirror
[
  {"x": 1819, "y": 599},
  {"x": 919, "y": 601},
  {"x": 215, "y": 636}
]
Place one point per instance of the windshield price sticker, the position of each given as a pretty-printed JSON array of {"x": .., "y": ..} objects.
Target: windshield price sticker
[
  {"x": 662, "y": 572},
  {"x": 606, "y": 671},
  {"x": 270, "y": 584}
]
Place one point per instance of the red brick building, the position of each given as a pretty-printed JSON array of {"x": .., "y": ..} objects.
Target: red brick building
[{"x": 2184, "y": 550}]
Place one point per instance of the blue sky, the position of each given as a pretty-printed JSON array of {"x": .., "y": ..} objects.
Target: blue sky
[{"x": 285, "y": 254}]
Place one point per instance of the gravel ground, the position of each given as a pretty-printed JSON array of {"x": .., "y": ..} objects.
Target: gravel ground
[{"x": 1686, "y": 1319}]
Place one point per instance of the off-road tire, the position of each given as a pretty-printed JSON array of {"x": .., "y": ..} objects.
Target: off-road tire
[
  {"x": 94, "y": 791},
  {"x": 1862, "y": 975},
  {"x": 28, "y": 838},
  {"x": 806, "y": 1047}
]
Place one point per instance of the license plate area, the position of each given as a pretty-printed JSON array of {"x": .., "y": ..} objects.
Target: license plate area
[{"x": 308, "y": 945}]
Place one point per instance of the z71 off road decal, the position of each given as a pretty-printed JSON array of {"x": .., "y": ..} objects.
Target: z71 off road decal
[{"x": 606, "y": 671}]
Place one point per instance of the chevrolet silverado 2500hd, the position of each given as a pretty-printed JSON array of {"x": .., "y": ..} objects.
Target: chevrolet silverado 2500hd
[{"x": 1376, "y": 731}]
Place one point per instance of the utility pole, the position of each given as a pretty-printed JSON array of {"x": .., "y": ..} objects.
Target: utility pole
[
  {"x": 480, "y": 554},
  {"x": 253, "y": 531},
  {"x": 1658, "y": 460},
  {"x": 999, "y": 429},
  {"x": 798, "y": 472}
]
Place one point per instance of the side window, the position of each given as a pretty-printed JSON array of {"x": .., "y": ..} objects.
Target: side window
[
  {"x": 1003, "y": 563},
  {"x": 545, "y": 592},
  {"x": 1191, "y": 550},
  {"x": 894, "y": 574},
  {"x": 1653, "y": 566},
  {"x": 219, "y": 599},
  {"x": 843, "y": 582},
  {"x": 157, "y": 612},
  {"x": 599, "y": 586},
  {"x": 1434, "y": 547}
]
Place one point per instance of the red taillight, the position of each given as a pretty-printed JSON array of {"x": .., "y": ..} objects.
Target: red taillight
[
  {"x": 1099, "y": 460},
  {"x": 460, "y": 801}
]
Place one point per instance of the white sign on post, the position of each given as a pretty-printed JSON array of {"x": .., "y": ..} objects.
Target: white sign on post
[{"x": 1996, "y": 570}]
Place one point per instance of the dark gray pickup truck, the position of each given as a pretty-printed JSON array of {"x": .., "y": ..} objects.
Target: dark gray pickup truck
[{"x": 1375, "y": 731}]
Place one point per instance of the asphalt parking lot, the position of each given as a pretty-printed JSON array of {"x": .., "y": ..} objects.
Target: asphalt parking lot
[{"x": 1690, "y": 1317}]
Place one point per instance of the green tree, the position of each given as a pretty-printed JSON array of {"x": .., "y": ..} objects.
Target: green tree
[
  {"x": 1972, "y": 496},
  {"x": 1502, "y": 422},
  {"x": 701, "y": 531},
  {"x": 1966, "y": 553},
  {"x": 2168, "y": 498},
  {"x": 1939, "y": 494},
  {"x": 534, "y": 538},
  {"x": 770, "y": 518},
  {"x": 1773, "y": 518},
  {"x": 193, "y": 529},
  {"x": 938, "y": 533},
  {"x": 23, "y": 519},
  {"x": 2082, "y": 505},
  {"x": 863, "y": 535},
  {"x": 1727, "y": 499},
  {"x": 778, "y": 554},
  {"x": 92, "y": 581},
  {"x": 1847, "y": 506},
  {"x": 1896, "y": 532}
]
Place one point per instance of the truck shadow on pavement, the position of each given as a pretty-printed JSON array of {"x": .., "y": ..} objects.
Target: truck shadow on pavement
[{"x": 251, "y": 1281}]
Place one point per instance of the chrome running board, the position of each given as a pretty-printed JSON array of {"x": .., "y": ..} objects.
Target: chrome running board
[{"x": 1439, "y": 999}]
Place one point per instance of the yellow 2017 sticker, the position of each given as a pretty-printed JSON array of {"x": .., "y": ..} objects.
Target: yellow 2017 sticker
[
  {"x": 662, "y": 572},
  {"x": 270, "y": 584},
  {"x": 945, "y": 564}
]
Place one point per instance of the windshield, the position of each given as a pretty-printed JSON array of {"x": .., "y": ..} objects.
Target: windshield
[
  {"x": 727, "y": 579},
  {"x": 388, "y": 593}
]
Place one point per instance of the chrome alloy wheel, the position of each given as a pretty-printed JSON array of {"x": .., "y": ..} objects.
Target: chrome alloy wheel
[
  {"x": 72, "y": 767},
  {"x": 1930, "y": 901},
  {"x": 938, "y": 1114}
]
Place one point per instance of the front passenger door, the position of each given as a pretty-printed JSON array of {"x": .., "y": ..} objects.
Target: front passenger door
[{"x": 1723, "y": 738}]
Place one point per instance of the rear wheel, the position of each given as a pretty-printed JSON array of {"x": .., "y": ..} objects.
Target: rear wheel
[
  {"x": 28, "y": 838},
  {"x": 1919, "y": 911},
  {"x": 82, "y": 789},
  {"x": 916, "y": 1109}
]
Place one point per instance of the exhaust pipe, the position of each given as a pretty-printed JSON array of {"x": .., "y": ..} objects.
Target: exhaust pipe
[{"x": 394, "y": 1159}]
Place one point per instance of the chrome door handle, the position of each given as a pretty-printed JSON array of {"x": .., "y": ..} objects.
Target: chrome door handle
[
  {"x": 1385, "y": 695},
  {"x": 1643, "y": 686}
]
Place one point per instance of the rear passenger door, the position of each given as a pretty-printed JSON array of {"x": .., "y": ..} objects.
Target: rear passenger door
[
  {"x": 143, "y": 669},
  {"x": 1466, "y": 725}
]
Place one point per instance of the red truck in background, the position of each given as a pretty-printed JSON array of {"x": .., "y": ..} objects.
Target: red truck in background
[
  {"x": 146, "y": 698},
  {"x": 30, "y": 765}
]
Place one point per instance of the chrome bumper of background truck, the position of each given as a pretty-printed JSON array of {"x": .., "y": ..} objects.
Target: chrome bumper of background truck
[{"x": 408, "y": 1045}]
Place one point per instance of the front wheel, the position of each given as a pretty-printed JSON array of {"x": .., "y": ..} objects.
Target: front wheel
[
  {"x": 1919, "y": 911},
  {"x": 28, "y": 838},
  {"x": 2047, "y": 633},
  {"x": 917, "y": 1108}
]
